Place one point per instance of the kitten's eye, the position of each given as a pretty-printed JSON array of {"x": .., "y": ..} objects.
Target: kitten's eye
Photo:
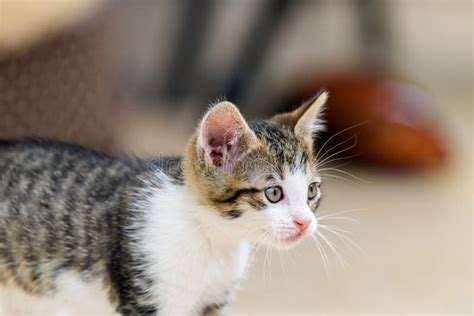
[
  {"x": 274, "y": 194},
  {"x": 312, "y": 190}
]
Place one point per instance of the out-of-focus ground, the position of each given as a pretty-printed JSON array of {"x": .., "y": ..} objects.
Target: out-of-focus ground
[{"x": 415, "y": 230}]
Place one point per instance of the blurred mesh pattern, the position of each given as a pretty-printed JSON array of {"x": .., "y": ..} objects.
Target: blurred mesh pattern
[{"x": 60, "y": 89}]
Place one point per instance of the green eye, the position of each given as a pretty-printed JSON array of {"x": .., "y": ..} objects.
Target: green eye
[
  {"x": 312, "y": 190},
  {"x": 274, "y": 194}
]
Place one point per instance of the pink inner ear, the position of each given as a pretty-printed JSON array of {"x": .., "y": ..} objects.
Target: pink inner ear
[{"x": 218, "y": 136}]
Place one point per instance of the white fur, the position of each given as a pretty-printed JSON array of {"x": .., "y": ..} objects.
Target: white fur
[
  {"x": 296, "y": 188},
  {"x": 74, "y": 297},
  {"x": 198, "y": 262},
  {"x": 294, "y": 205}
]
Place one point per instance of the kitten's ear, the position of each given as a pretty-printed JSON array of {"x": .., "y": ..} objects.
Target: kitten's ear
[
  {"x": 224, "y": 135},
  {"x": 306, "y": 121}
]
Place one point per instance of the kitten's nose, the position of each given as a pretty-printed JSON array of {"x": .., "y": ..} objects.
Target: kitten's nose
[{"x": 302, "y": 223}]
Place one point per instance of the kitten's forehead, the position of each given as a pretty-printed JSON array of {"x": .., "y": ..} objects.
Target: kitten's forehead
[{"x": 285, "y": 152}]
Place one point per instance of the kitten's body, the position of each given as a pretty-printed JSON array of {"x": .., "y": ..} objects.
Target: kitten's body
[
  {"x": 84, "y": 232},
  {"x": 71, "y": 216}
]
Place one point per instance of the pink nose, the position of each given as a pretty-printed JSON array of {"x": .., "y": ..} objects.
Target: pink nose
[{"x": 302, "y": 223}]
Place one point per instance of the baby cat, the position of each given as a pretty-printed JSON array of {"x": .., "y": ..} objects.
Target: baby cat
[{"x": 85, "y": 232}]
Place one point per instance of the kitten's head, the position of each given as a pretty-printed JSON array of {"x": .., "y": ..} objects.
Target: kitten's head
[{"x": 260, "y": 177}]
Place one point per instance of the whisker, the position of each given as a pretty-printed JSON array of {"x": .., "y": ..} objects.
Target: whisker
[
  {"x": 317, "y": 166},
  {"x": 323, "y": 256},
  {"x": 322, "y": 164},
  {"x": 272, "y": 234},
  {"x": 344, "y": 218},
  {"x": 337, "y": 228},
  {"x": 336, "y": 166},
  {"x": 260, "y": 238},
  {"x": 318, "y": 163},
  {"x": 347, "y": 173},
  {"x": 280, "y": 257},
  {"x": 265, "y": 263},
  {"x": 333, "y": 176},
  {"x": 290, "y": 256},
  {"x": 333, "y": 147},
  {"x": 343, "y": 237},
  {"x": 334, "y": 250},
  {"x": 334, "y": 135},
  {"x": 338, "y": 212}
]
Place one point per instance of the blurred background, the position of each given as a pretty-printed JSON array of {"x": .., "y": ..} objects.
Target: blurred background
[{"x": 135, "y": 76}]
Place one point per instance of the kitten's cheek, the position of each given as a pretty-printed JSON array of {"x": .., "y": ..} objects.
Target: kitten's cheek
[{"x": 313, "y": 227}]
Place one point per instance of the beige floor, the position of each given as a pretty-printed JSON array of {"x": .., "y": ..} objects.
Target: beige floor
[
  {"x": 415, "y": 231},
  {"x": 416, "y": 235}
]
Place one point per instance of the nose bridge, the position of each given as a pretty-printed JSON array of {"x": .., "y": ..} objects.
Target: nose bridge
[
  {"x": 297, "y": 194},
  {"x": 298, "y": 205}
]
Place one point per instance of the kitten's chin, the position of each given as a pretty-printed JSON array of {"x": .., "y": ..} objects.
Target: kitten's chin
[{"x": 286, "y": 242}]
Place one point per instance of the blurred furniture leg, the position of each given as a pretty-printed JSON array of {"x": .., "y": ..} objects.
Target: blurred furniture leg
[
  {"x": 189, "y": 43},
  {"x": 374, "y": 26},
  {"x": 256, "y": 46}
]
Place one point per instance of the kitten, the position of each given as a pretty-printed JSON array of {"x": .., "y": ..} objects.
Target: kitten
[{"x": 85, "y": 232}]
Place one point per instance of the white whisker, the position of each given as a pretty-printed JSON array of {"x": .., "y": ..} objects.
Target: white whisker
[
  {"x": 322, "y": 253},
  {"x": 318, "y": 164},
  {"x": 344, "y": 218},
  {"x": 339, "y": 212},
  {"x": 347, "y": 173},
  {"x": 338, "y": 177},
  {"x": 334, "y": 250},
  {"x": 337, "y": 229},
  {"x": 342, "y": 237},
  {"x": 334, "y": 135}
]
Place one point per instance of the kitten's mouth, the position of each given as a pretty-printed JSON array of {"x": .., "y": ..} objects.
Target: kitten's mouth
[{"x": 293, "y": 238}]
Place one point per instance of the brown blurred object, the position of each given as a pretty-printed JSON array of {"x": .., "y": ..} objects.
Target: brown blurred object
[
  {"x": 60, "y": 87},
  {"x": 390, "y": 121}
]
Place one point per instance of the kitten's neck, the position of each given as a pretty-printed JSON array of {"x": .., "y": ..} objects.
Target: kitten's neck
[
  {"x": 183, "y": 240},
  {"x": 211, "y": 225},
  {"x": 173, "y": 208}
]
